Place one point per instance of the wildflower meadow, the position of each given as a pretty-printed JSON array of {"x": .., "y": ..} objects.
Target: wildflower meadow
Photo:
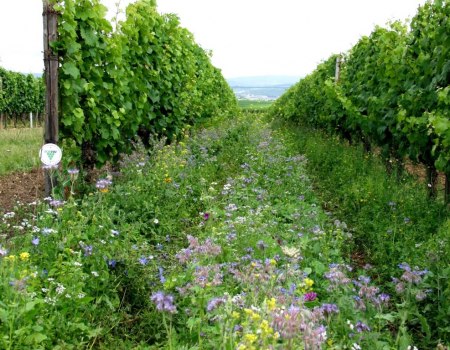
[{"x": 217, "y": 241}]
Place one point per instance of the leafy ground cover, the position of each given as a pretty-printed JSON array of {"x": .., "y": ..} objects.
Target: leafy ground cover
[
  {"x": 216, "y": 242},
  {"x": 19, "y": 149},
  {"x": 391, "y": 218}
]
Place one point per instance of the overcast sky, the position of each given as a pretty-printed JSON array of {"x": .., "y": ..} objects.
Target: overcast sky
[{"x": 247, "y": 37}]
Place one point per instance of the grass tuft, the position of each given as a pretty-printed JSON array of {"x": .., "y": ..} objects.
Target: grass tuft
[{"x": 19, "y": 149}]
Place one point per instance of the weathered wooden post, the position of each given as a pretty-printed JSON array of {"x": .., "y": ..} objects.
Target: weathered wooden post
[
  {"x": 447, "y": 189},
  {"x": 51, "y": 65},
  {"x": 337, "y": 75}
]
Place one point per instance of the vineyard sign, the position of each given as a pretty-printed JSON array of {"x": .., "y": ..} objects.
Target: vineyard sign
[{"x": 50, "y": 154}]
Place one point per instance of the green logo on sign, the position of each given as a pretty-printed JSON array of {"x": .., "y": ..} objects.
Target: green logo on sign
[{"x": 50, "y": 154}]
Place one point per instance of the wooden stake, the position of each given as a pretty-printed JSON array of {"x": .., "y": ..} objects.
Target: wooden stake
[
  {"x": 447, "y": 189},
  {"x": 51, "y": 65},
  {"x": 337, "y": 75}
]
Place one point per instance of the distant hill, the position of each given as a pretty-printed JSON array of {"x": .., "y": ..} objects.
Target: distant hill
[
  {"x": 263, "y": 81},
  {"x": 264, "y": 88}
]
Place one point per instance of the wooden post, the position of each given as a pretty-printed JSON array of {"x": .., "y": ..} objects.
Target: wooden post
[
  {"x": 337, "y": 75},
  {"x": 31, "y": 120},
  {"x": 51, "y": 81},
  {"x": 1, "y": 120},
  {"x": 447, "y": 189}
]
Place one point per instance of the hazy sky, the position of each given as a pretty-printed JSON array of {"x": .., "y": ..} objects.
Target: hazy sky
[{"x": 247, "y": 37}]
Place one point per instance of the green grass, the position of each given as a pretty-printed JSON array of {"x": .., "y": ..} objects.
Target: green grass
[
  {"x": 392, "y": 219},
  {"x": 19, "y": 149},
  {"x": 249, "y": 104}
]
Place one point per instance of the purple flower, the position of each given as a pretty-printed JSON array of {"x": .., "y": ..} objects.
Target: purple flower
[
  {"x": 103, "y": 184},
  {"x": 384, "y": 297},
  {"x": 35, "y": 241},
  {"x": 112, "y": 263},
  {"x": 215, "y": 303},
  {"x": 3, "y": 252},
  {"x": 163, "y": 302},
  {"x": 231, "y": 236},
  {"x": 206, "y": 216},
  {"x": 261, "y": 245},
  {"x": 50, "y": 167},
  {"x": 329, "y": 309},
  {"x": 73, "y": 171},
  {"x": 238, "y": 328},
  {"x": 56, "y": 203},
  {"x": 364, "y": 279},
  {"x": 143, "y": 260},
  {"x": 361, "y": 327},
  {"x": 162, "y": 279},
  {"x": 310, "y": 296},
  {"x": 87, "y": 250}
]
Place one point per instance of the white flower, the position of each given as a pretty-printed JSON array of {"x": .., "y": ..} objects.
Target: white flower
[
  {"x": 81, "y": 295},
  {"x": 156, "y": 221},
  {"x": 95, "y": 273},
  {"x": 9, "y": 215},
  {"x": 290, "y": 251},
  {"x": 51, "y": 301},
  {"x": 356, "y": 347},
  {"x": 76, "y": 263},
  {"x": 60, "y": 288}
]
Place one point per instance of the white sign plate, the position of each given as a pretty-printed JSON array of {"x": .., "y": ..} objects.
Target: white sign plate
[{"x": 50, "y": 154}]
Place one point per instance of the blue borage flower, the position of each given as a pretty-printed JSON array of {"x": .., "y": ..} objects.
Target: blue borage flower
[
  {"x": 164, "y": 302},
  {"x": 35, "y": 241}
]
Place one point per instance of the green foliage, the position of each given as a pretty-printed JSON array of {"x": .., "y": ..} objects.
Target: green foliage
[
  {"x": 20, "y": 93},
  {"x": 391, "y": 222},
  {"x": 147, "y": 77},
  {"x": 393, "y": 91}
]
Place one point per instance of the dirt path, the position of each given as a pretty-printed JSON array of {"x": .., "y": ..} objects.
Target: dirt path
[{"x": 25, "y": 187}]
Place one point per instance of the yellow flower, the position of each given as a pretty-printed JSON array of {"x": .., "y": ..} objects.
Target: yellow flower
[
  {"x": 308, "y": 282},
  {"x": 255, "y": 317},
  {"x": 271, "y": 304},
  {"x": 276, "y": 335},
  {"x": 265, "y": 328},
  {"x": 273, "y": 262},
  {"x": 248, "y": 311},
  {"x": 242, "y": 347},
  {"x": 168, "y": 180},
  {"x": 250, "y": 338},
  {"x": 24, "y": 256},
  {"x": 11, "y": 258},
  {"x": 235, "y": 314},
  {"x": 104, "y": 190}
]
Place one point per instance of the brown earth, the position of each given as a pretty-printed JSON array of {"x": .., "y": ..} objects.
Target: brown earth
[{"x": 25, "y": 187}]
